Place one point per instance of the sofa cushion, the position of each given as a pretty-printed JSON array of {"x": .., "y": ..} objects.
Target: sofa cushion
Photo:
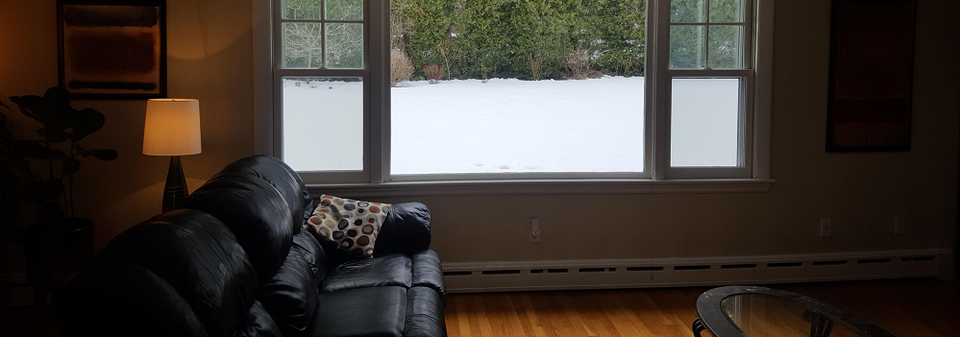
[
  {"x": 257, "y": 323},
  {"x": 427, "y": 271},
  {"x": 113, "y": 299},
  {"x": 254, "y": 211},
  {"x": 283, "y": 178},
  {"x": 197, "y": 255},
  {"x": 350, "y": 225},
  {"x": 424, "y": 314},
  {"x": 406, "y": 230},
  {"x": 390, "y": 270},
  {"x": 313, "y": 253},
  {"x": 368, "y": 312},
  {"x": 290, "y": 296}
]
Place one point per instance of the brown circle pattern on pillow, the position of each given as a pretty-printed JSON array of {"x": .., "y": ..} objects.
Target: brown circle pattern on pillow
[{"x": 350, "y": 224}]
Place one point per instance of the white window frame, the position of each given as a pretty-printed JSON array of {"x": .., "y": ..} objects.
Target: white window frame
[
  {"x": 663, "y": 91},
  {"x": 753, "y": 175}
]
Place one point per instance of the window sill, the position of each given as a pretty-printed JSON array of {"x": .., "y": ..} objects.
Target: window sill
[{"x": 515, "y": 187}]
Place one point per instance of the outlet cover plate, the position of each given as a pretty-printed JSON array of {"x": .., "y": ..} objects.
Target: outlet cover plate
[
  {"x": 534, "y": 230},
  {"x": 826, "y": 228},
  {"x": 900, "y": 226}
]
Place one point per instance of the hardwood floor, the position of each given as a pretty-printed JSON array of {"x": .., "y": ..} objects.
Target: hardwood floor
[{"x": 902, "y": 307}]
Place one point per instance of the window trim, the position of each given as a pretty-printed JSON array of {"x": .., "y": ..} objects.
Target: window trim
[{"x": 657, "y": 177}]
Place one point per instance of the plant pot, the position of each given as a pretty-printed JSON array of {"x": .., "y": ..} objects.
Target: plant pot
[{"x": 56, "y": 249}]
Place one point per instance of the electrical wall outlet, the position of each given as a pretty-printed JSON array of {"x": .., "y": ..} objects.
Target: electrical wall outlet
[
  {"x": 534, "y": 230},
  {"x": 900, "y": 226},
  {"x": 826, "y": 227}
]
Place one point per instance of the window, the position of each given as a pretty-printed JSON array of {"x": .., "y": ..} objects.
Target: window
[
  {"x": 624, "y": 89},
  {"x": 321, "y": 77},
  {"x": 710, "y": 82}
]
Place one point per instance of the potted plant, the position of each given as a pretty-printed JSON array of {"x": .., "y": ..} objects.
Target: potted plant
[{"x": 37, "y": 177}]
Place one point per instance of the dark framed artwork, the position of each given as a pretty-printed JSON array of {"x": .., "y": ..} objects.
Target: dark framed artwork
[
  {"x": 112, "y": 49},
  {"x": 871, "y": 75}
]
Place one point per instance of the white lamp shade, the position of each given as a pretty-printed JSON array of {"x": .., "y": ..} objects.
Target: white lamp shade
[{"x": 172, "y": 127}]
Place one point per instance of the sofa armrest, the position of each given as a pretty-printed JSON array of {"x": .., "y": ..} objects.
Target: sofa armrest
[{"x": 405, "y": 230}]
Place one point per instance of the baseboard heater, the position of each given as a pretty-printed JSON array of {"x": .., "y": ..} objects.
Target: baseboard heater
[{"x": 471, "y": 277}]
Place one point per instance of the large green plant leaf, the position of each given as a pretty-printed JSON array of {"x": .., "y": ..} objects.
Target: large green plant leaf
[
  {"x": 52, "y": 110},
  {"x": 36, "y": 150},
  {"x": 55, "y": 136},
  {"x": 31, "y": 106},
  {"x": 60, "y": 115},
  {"x": 87, "y": 121},
  {"x": 101, "y": 154},
  {"x": 23, "y": 167},
  {"x": 57, "y": 100},
  {"x": 70, "y": 166},
  {"x": 5, "y": 134}
]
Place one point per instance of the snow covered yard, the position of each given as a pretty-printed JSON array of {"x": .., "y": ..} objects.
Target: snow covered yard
[{"x": 509, "y": 126}]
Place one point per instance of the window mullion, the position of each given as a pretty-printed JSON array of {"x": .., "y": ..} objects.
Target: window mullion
[
  {"x": 706, "y": 36},
  {"x": 323, "y": 34},
  {"x": 650, "y": 108},
  {"x": 378, "y": 61},
  {"x": 662, "y": 92}
]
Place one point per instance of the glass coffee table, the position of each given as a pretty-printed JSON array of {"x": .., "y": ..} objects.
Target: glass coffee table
[{"x": 742, "y": 311}]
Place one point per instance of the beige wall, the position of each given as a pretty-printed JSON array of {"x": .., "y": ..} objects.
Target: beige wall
[
  {"x": 210, "y": 59},
  {"x": 209, "y": 49}
]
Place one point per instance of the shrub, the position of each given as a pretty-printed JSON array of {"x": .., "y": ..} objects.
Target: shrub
[
  {"x": 536, "y": 67},
  {"x": 527, "y": 39},
  {"x": 400, "y": 67},
  {"x": 578, "y": 63},
  {"x": 433, "y": 72}
]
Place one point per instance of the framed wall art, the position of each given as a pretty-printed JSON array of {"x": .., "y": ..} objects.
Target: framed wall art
[
  {"x": 110, "y": 49},
  {"x": 871, "y": 75}
]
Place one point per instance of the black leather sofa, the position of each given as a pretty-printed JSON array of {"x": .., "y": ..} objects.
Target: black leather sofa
[{"x": 234, "y": 262}]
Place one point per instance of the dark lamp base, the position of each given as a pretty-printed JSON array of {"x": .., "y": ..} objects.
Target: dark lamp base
[{"x": 176, "y": 188}]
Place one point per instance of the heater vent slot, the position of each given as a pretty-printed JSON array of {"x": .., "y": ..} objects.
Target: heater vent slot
[
  {"x": 869, "y": 261},
  {"x": 592, "y": 270},
  {"x": 645, "y": 269},
  {"x": 500, "y": 272},
  {"x": 691, "y": 267},
  {"x": 457, "y": 273},
  {"x": 829, "y": 263},
  {"x": 784, "y": 264},
  {"x": 738, "y": 266}
]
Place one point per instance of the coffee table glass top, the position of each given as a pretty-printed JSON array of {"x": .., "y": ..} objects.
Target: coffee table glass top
[
  {"x": 741, "y": 311},
  {"x": 761, "y": 315}
]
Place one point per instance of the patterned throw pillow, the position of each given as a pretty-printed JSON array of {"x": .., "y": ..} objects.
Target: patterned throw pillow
[{"x": 353, "y": 225}]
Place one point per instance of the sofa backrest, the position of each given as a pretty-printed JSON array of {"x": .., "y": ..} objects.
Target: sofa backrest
[
  {"x": 281, "y": 176},
  {"x": 179, "y": 273},
  {"x": 262, "y": 201},
  {"x": 232, "y": 262},
  {"x": 254, "y": 211}
]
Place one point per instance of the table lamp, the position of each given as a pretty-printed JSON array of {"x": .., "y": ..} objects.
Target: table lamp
[{"x": 172, "y": 128}]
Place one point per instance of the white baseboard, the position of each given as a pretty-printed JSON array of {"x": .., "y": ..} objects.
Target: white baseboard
[
  {"x": 473, "y": 277},
  {"x": 476, "y": 277}
]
